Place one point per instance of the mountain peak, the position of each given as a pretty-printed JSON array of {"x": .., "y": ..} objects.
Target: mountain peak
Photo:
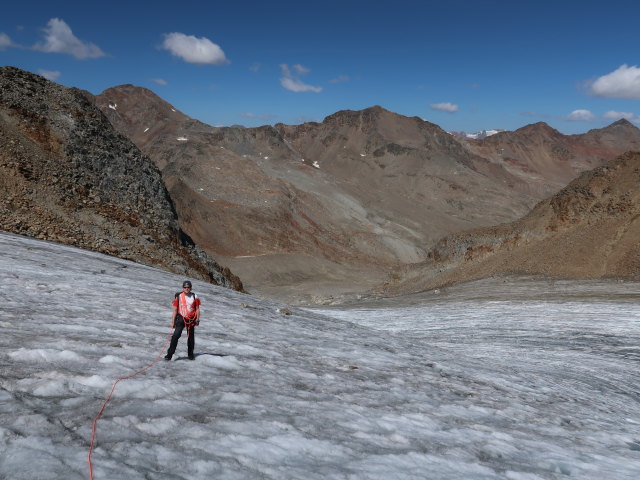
[
  {"x": 620, "y": 128},
  {"x": 623, "y": 122},
  {"x": 539, "y": 127},
  {"x": 132, "y": 94},
  {"x": 373, "y": 111}
]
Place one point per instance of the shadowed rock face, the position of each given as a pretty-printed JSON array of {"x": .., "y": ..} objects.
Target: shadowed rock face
[
  {"x": 332, "y": 207},
  {"x": 67, "y": 175},
  {"x": 589, "y": 229}
]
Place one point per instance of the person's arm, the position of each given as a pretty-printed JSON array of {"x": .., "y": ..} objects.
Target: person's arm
[
  {"x": 173, "y": 317},
  {"x": 197, "y": 311}
]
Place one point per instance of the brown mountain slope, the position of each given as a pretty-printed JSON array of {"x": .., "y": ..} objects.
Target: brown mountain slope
[
  {"x": 409, "y": 171},
  {"x": 340, "y": 201},
  {"x": 590, "y": 229},
  {"x": 66, "y": 175},
  {"x": 322, "y": 208},
  {"x": 547, "y": 160}
]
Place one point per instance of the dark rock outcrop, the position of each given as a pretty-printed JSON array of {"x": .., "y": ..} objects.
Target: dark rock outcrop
[{"x": 67, "y": 175}]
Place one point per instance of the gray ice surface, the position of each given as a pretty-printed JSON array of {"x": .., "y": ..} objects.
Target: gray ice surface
[{"x": 513, "y": 379}]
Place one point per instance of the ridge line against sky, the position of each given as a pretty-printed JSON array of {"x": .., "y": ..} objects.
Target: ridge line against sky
[{"x": 466, "y": 66}]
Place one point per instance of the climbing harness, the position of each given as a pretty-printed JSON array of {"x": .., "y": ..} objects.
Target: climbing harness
[
  {"x": 95, "y": 420},
  {"x": 189, "y": 317}
]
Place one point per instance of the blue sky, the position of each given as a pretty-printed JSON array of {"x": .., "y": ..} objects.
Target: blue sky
[{"x": 464, "y": 66}]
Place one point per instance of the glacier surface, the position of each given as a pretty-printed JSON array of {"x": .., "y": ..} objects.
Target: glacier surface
[{"x": 517, "y": 379}]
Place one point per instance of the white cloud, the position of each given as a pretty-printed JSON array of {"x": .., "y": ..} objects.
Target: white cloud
[
  {"x": 52, "y": 75},
  {"x": 580, "y": 116},
  {"x": 618, "y": 115},
  {"x": 300, "y": 70},
  {"x": 160, "y": 81},
  {"x": 60, "y": 39},
  {"x": 621, "y": 83},
  {"x": 255, "y": 67},
  {"x": 296, "y": 85},
  {"x": 445, "y": 107},
  {"x": 293, "y": 82},
  {"x": 613, "y": 115},
  {"x": 5, "y": 41},
  {"x": 194, "y": 50}
]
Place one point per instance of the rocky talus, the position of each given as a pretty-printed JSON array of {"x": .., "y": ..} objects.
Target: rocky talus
[{"x": 67, "y": 175}]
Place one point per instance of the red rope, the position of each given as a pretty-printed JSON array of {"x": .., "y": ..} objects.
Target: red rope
[{"x": 95, "y": 420}]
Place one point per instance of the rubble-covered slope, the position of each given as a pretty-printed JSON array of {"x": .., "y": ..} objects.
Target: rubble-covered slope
[{"x": 590, "y": 229}]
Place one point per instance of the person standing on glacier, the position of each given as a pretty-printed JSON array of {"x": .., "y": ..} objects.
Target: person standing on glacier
[{"x": 186, "y": 313}]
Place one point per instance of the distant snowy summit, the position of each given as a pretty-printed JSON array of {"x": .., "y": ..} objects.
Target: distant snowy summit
[{"x": 478, "y": 135}]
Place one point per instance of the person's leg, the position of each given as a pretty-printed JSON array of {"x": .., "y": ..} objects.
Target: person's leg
[
  {"x": 179, "y": 326},
  {"x": 191, "y": 341}
]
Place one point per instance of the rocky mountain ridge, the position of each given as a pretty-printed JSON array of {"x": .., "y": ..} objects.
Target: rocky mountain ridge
[
  {"x": 67, "y": 175},
  {"x": 334, "y": 206},
  {"x": 547, "y": 160}
]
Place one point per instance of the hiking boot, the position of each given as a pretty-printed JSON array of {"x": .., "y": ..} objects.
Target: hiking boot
[
  {"x": 167, "y": 357},
  {"x": 192, "y": 357}
]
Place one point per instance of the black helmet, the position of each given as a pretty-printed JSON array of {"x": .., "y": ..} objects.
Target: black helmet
[{"x": 186, "y": 283}]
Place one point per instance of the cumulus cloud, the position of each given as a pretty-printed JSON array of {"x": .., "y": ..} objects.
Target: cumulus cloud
[
  {"x": 193, "y": 49},
  {"x": 52, "y": 75},
  {"x": 580, "y": 116},
  {"x": 445, "y": 107},
  {"x": 60, "y": 39},
  {"x": 612, "y": 114},
  {"x": 5, "y": 41},
  {"x": 160, "y": 81},
  {"x": 621, "y": 83},
  {"x": 291, "y": 81},
  {"x": 300, "y": 70}
]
